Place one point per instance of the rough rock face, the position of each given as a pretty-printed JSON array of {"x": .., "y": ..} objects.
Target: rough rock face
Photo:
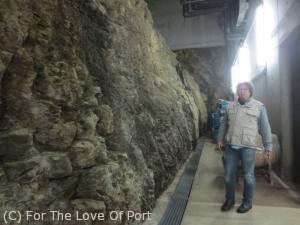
[
  {"x": 94, "y": 114},
  {"x": 208, "y": 66}
]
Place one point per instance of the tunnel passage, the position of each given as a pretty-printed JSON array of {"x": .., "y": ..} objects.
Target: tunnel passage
[{"x": 94, "y": 115}]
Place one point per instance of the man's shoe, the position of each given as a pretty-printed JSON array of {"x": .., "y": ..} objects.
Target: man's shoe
[
  {"x": 227, "y": 206},
  {"x": 243, "y": 208}
]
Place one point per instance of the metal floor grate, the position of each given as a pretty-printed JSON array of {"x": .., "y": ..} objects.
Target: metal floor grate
[{"x": 176, "y": 207}]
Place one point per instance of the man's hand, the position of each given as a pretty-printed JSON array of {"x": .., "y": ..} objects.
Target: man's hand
[
  {"x": 220, "y": 146},
  {"x": 267, "y": 154}
]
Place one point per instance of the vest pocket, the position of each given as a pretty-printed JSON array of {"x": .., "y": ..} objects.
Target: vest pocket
[
  {"x": 253, "y": 113},
  {"x": 249, "y": 137}
]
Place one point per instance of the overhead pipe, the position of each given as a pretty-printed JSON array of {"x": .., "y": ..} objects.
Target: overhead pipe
[
  {"x": 204, "y": 1},
  {"x": 200, "y": 7}
]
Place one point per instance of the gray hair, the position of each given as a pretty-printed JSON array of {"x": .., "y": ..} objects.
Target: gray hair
[{"x": 248, "y": 84}]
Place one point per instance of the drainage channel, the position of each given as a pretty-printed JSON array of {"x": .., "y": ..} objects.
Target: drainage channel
[{"x": 176, "y": 206}]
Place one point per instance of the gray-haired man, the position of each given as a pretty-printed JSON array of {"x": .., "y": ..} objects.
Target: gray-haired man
[{"x": 245, "y": 120}]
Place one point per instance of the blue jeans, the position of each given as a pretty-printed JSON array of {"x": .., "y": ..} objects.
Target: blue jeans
[{"x": 232, "y": 158}]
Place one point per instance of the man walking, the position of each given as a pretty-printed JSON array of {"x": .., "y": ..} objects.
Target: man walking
[{"x": 244, "y": 122}]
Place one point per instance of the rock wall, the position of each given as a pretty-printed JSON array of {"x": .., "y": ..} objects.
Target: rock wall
[
  {"x": 208, "y": 66},
  {"x": 94, "y": 114}
]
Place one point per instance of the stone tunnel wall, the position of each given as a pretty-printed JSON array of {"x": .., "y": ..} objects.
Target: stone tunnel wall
[
  {"x": 208, "y": 66},
  {"x": 94, "y": 114}
]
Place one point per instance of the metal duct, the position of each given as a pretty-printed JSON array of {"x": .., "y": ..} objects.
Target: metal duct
[{"x": 198, "y": 7}]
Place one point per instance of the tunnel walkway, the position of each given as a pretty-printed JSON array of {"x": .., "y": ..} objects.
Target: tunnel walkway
[{"x": 272, "y": 205}]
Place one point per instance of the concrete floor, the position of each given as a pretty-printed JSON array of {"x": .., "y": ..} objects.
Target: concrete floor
[{"x": 272, "y": 204}]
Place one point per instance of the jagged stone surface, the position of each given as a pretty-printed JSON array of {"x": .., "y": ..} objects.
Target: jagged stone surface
[
  {"x": 208, "y": 66},
  {"x": 93, "y": 112}
]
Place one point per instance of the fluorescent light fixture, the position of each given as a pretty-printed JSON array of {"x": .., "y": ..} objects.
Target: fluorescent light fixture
[
  {"x": 260, "y": 36},
  {"x": 264, "y": 24},
  {"x": 244, "y": 64},
  {"x": 240, "y": 71}
]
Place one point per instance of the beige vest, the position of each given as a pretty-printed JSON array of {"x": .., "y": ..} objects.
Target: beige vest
[{"x": 243, "y": 124}]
